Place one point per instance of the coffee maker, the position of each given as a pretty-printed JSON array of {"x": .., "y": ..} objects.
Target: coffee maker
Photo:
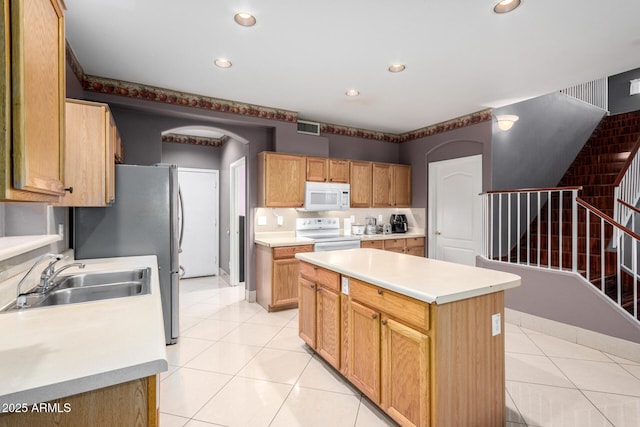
[{"x": 399, "y": 223}]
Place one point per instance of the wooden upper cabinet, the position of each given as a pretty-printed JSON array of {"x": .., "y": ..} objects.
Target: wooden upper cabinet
[
  {"x": 401, "y": 193},
  {"x": 89, "y": 154},
  {"x": 382, "y": 185},
  {"x": 360, "y": 180},
  {"x": 317, "y": 169},
  {"x": 339, "y": 171},
  {"x": 32, "y": 69},
  {"x": 282, "y": 178},
  {"x": 322, "y": 169}
]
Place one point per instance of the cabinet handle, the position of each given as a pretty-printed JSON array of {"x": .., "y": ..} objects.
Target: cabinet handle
[
  {"x": 379, "y": 291},
  {"x": 374, "y": 316},
  {"x": 383, "y": 321},
  {"x": 69, "y": 189},
  {"x": 312, "y": 286},
  {"x": 318, "y": 289}
]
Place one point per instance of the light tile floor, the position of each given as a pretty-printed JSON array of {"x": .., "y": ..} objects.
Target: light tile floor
[{"x": 237, "y": 365}]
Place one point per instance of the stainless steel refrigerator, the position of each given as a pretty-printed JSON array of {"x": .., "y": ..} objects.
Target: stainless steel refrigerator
[{"x": 142, "y": 221}]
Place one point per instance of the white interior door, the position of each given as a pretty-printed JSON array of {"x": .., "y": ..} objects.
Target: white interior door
[
  {"x": 455, "y": 217},
  {"x": 200, "y": 212}
]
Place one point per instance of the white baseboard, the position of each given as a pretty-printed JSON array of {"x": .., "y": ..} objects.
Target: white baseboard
[{"x": 616, "y": 346}]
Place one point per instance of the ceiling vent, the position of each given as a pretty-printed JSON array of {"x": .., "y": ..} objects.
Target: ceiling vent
[{"x": 309, "y": 128}]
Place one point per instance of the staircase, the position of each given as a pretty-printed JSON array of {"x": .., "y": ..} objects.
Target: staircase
[{"x": 550, "y": 243}]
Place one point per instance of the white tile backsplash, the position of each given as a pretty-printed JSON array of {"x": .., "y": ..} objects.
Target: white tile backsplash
[{"x": 415, "y": 217}]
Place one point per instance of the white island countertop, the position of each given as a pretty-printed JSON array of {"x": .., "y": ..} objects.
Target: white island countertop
[
  {"x": 428, "y": 280},
  {"x": 53, "y": 352}
]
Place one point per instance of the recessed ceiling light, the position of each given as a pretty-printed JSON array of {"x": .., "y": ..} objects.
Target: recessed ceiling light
[
  {"x": 396, "y": 68},
  {"x": 222, "y": 63},
  {"x": 505, "y": 6},
  {"x": 352, "y": 92},
  {"x": 245, "y": 19}
]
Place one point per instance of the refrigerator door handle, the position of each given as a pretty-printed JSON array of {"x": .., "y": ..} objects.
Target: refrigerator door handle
[{"x": 181, "y": 207}]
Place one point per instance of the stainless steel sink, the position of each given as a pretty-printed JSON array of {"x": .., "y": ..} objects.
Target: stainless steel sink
[{"x": 84, "y": 287}]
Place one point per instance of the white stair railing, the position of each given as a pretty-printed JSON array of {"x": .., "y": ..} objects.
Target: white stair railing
[
  {"x": 549, "y": 227},
  {"x": 627, "y": 188}
]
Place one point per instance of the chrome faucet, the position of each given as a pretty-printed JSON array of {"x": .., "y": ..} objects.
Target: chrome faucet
[
  {"x": 21, "y": 300},
  {"x": 49, "y": 275}
]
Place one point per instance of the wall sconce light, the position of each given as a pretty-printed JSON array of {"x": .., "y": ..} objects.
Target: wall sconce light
[
  {"x": 506, "y": 121},
  {"x": 634, "y": 87}
]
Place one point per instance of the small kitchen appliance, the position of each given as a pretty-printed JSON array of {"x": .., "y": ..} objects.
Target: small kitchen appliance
[
  {"x": 370, "y": 225},
  {"x": 399, "y": 223},
  {"x": 386, "y": 228}
]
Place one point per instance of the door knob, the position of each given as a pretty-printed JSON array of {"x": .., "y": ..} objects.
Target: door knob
[{"x": 438, "y": 233}]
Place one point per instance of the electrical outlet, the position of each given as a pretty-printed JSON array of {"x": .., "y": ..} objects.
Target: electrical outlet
[
  {"x": 280, "y": 220},
  {"x": 61, "y": 230},
  {"x": 262, "y": 220},
  {"x": 345, "y": 285},
  {"x": 496, "y": 325}
]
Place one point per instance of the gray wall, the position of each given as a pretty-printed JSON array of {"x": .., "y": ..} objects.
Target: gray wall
[
  {"x": 540, "y": 147},
  {"x": 619, "y": 99},
  {"x": 191, "y": 156},
  {"x": 352, "y": 148},
  {"x": 563, "y": 297}
]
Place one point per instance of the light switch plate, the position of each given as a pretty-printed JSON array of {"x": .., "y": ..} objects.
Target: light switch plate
[
  {"x": 280, "y": 220},
  {"x": 345, "y": 285},
  {"x": 496, "y": 325}
]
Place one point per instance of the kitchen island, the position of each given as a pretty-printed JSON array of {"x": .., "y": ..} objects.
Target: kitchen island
[
  {"x": 422, "y": 338},
  {"x": 94, "y": 363}
]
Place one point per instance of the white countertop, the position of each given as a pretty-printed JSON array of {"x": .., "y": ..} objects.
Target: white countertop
[
  {"x": 432, "y": 281},
  {"x": 53, "y": 352},
  {"x": 276, "y": 239},
  {"x": 15, "y": 245}
]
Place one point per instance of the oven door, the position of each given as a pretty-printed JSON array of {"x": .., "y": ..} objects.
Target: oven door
[{"x": 336, "y": 245}]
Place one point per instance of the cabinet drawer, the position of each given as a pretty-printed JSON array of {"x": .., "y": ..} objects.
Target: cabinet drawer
[
  {"x": 413, "y": 242},
  {"x": 394, "y": 243},
  {"x": 373, "y": 244},
  {"x": 327, "y": 278},
  {"x": 290, "y": 251},
  {"x": 399, "y": 306}
]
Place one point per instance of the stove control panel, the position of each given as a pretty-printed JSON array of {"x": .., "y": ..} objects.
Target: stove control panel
[{"x": 317, "y": 223}]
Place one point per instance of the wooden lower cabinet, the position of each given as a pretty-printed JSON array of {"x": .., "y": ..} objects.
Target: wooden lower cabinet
[
  {"x": 328, "y": 325},
  {"x": 410, "y": 246},
  {"x": 307, "y": 305},
  {"x": 424, "y": 364},
  {"x": 277, "y": 276},
  {"x": 364, "y": 350},
  {"x": 405, "y": 373},
  {"x": 133, "y": 403},
  {"x": 320, "y": 301}
]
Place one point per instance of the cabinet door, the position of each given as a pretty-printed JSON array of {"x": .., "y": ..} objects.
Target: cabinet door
[
  {"x": 283, "y": 180},
  {"x": 401, "y": 186},
  {"x": 85, "y": 154},
  {"x": 317, "y": 169},
  {"x": 395, "y": 245},
  {"x": 364, "y": 349},
  {"x": 328, "y": 321},
  {"x": 339, "y": 171},
  {"x": 416, "y": 251},
  {"x": 38, "y": 94},
  {"x": 31, "y": 100},
  {"x": 307, "y": 311},
  {"x": 405, "y": 373},
  {"x": 382, "y": 177},
  {"x": 285, "y": 282},
  {"x": 360, "y": 180},
  {"x": 110, "y": 160}
]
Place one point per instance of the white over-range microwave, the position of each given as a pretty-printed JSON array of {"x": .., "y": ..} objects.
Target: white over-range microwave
[{"x": 326, "y": 196}]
